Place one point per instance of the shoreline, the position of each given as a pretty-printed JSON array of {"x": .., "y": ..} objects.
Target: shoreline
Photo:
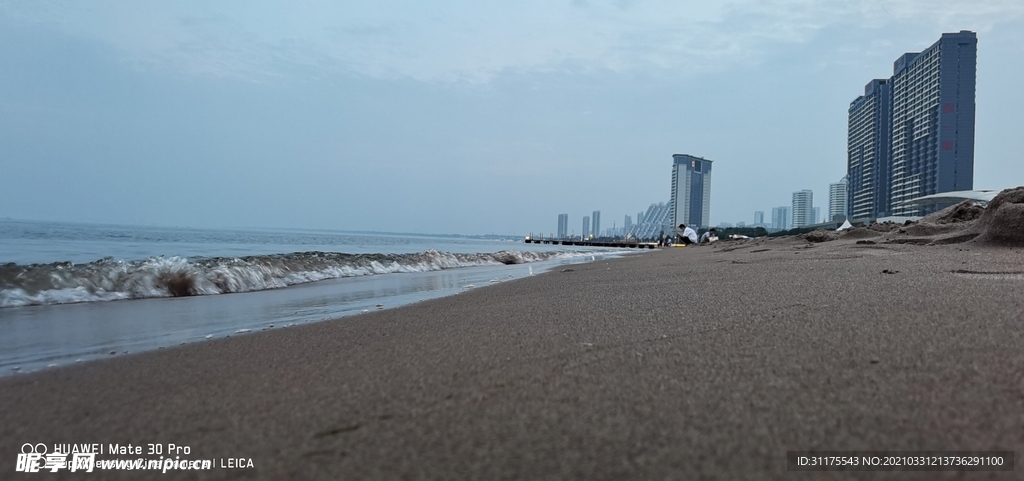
[
  {"x": 51, "y": 336},
  {"x": 701, "y": 361}
]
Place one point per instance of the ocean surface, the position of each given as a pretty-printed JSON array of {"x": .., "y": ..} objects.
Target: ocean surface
[{"x": 70, "y": 292}]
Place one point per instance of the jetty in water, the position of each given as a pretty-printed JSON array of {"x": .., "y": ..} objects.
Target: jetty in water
[{"x": 632, "y": 244}]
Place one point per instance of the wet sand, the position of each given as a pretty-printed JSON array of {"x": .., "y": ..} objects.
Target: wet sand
[{"x": 686, "y": 363}]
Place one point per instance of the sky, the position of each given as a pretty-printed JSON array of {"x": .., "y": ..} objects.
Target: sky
[{"x": 457, "y": 117}]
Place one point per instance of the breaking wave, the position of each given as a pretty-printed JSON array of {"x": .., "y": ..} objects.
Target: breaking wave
[{"x": 108, "y": 279}]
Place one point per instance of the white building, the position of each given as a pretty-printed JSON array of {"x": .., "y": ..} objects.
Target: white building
[
  {"x": 803, "y": 208},
  {"x": 837, "y": 204}
]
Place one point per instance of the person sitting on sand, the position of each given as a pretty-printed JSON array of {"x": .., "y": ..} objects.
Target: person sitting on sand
[
  {"x": 709, "y": 236},
  {"x": 687, "y": 235}
]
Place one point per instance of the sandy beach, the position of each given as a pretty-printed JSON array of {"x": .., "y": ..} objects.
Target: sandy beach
[{"x": 706, "y": 362}]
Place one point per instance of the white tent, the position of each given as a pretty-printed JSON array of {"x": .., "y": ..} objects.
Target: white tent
[{"x": 846, "y": 225}]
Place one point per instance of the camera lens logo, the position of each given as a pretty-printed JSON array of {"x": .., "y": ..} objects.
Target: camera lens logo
[{"x": 29, "y": 448}]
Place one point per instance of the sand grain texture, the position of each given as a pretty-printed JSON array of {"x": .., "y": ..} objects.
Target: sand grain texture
[{"x": 694, "y": 363}]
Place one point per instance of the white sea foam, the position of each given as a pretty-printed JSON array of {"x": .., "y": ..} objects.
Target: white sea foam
[{"x": 109, "y": 279}]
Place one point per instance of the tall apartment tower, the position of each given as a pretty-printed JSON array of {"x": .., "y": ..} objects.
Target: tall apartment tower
[
  {"x": 563, "y": 226},
  {"x": 586, "y": 227},
  {"x": 758, "y": 217},
  {"x": 913, "y": 134},
  {"x": 781, "y": 218},
  {"x": 595, "y": 221},
  {"x": 837, "y": 204},
  {"x": 803, "y": 208},
  {"x": 869, "y": 135},
  {"x": 933, "y": 120},
  {"x": 691, "y": 191}
]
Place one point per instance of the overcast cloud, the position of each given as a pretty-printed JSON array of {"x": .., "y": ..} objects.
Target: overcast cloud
[{"x": 456, "y": 117}]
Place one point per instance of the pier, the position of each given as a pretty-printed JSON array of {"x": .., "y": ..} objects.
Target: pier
[{"x": 592, "y": 243}]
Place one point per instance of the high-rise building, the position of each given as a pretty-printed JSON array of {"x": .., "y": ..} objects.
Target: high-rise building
[
  {"x": 817, "y": 215},
  {"x": 912, "y": 135},
  {"x": 595, "y": 222},
  {"x": 691, "y": 191},
  {"x": 933, "y": 120},
  {"x": 586, "y": 227},
  {"x": 628, "y": 224},
  {"x": 759, "y": 218},
  {"x": 781, "y": 218},
  {"x": 803, "y": 208},
  {"x": 869, "y": 135},
  {"x": 639, "y": 218},
  {"x": 837, "y": 201},
  {"x": 563, "y": 226}
]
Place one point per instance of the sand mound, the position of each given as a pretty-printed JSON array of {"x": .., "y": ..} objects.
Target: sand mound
[
  {"x": 859, "y": 233},
  {"x": 821, "y": 235},
  {"x": 962, "y": 212},
  {"x": 1003, "y": 219}
]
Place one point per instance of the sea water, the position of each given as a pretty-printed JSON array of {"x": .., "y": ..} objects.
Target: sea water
[{"x": 71, "y": 292}]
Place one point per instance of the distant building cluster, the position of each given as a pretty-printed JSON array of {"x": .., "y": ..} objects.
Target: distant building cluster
[
  {"x": 912, "y": 135},
  {"x": 909, "y": 136},
  {"x": 689, "y": 203},
  {"x": 649, "y": 225}
]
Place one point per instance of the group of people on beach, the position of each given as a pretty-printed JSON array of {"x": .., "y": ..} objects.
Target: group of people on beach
[{"x": 686, "y": 235}]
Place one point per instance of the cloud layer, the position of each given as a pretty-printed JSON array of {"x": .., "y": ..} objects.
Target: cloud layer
[{"x": 468, "y": 41}]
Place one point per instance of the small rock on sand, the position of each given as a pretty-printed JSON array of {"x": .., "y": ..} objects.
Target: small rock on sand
[{"x": 821, "y": 235}]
